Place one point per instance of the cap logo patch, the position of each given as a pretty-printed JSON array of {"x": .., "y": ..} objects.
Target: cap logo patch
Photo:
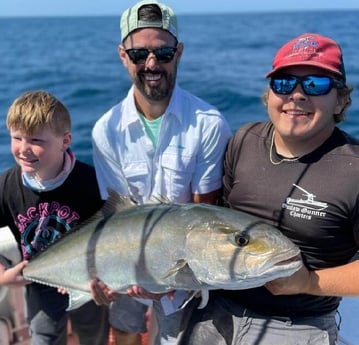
[{"x": 305, "y": 46}]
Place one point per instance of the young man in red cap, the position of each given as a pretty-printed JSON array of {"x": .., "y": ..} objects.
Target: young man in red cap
[{"x": 299, "y": 172}]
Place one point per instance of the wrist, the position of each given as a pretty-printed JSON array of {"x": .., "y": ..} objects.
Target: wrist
[{"x": 313, "y": 283}]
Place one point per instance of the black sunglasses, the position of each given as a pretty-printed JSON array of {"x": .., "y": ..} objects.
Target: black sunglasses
[
  {"x": 312, "y": 85},
  {"x": 140, "y": 55}
]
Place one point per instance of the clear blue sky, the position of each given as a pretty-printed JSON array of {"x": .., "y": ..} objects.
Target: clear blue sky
[{"x": 116, "y": 7}]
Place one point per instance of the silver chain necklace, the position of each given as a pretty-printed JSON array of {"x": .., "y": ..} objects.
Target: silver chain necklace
[{"x": 283, "y": 159}]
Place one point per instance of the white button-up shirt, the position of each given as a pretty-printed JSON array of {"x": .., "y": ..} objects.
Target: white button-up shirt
[{"x": 188, "y": 157}]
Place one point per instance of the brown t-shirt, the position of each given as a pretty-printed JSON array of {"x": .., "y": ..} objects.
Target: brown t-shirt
[{"x": 312, "y": 200}]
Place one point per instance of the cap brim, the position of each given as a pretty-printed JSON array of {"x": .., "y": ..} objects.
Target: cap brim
[{"x": 305, "y": 63}]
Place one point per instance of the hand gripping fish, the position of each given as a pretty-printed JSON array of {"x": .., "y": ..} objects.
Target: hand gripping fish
[{"x": 163, "y": 247}]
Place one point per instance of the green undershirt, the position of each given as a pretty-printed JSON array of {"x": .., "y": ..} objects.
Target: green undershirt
[{"x": 152, "y": 128}]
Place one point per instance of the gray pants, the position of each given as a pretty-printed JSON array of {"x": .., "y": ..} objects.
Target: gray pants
[
  {"x": 90, "y": 323},
  {"x": 222, "y": 323},
  {"x": 128, "y": 315}
]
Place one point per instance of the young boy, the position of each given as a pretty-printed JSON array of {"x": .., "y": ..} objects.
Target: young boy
[{"x": 42, "y": 197}]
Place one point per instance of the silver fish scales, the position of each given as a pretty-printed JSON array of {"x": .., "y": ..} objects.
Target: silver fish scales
[{"x": 165, "y": 246}]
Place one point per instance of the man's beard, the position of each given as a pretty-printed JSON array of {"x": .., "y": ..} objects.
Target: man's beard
[{"x": 156, "y": 93}]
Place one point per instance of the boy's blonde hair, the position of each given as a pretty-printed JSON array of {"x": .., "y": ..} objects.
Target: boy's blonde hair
[{"x": 34, "y": 110}]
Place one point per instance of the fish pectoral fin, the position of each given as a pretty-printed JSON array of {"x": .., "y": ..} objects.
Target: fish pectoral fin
[
  {"x": 175, "y": 269},
  {"x": 205, "y": 298},
  {"x": 203, "y": 294},
  {"x": 191, "y": 295},
  {"x": 77, "y": 299}
]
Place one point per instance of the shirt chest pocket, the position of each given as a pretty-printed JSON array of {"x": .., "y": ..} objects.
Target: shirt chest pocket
[
  {"x": 138, "y": 178},
  {"x": 178, "y": 172},
  {"x": 132, "y": 170}
]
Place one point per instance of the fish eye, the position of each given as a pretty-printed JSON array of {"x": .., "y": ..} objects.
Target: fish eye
[{"x": 241, "y": 239}]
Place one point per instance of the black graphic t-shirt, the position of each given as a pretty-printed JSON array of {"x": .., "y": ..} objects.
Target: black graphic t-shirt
[
  {"x": 313, "y": 200},
  {"x": 38, "y": 218}
]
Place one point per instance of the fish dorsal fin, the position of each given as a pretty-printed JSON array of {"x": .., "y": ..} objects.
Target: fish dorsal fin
[
  {"x": 159, "y": 199},
  {"x": 116, "y": 202}
]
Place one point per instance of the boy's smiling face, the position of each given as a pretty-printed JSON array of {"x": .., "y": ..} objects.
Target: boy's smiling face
[{"x": 41, "y": 153}]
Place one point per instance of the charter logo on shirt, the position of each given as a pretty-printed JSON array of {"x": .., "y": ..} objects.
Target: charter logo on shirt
[{"x": 305, "y": 207}]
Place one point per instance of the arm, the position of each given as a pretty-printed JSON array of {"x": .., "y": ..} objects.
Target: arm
[
  {"x": 12, "y": 276},
  {"x": 108, "y": 169},
  {"x": 207, "y": 180},
  {"x": 208, "y": 198},
  {"x": 336, "y": 281},
  {"x": 101, "y": 293}
]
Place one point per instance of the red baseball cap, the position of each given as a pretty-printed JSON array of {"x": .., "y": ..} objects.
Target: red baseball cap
[{"x": 310, "y": 49}]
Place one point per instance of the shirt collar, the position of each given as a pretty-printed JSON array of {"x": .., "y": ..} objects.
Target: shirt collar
[{"x": 131, "y": 111}]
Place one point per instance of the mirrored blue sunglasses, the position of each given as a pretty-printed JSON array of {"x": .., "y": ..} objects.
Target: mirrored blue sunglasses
[{"x": 312, "y": 85}]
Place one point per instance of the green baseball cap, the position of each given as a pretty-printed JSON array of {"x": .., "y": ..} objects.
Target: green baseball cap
[{"x": 131, "y": 22}]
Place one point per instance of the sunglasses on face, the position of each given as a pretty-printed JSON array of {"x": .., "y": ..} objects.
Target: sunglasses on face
[
  {"x": 140, "y": 55},
  {"x": 312, "y": 85}
]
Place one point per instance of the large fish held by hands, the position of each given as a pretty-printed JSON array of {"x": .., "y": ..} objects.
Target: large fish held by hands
[{"x": 165, "y": 246}]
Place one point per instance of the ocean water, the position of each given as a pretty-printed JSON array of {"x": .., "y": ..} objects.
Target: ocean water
[{"x": 225, "y": 60}]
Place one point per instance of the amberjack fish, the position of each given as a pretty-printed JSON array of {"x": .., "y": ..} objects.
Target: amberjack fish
[{"x": 165, "y": 246}]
